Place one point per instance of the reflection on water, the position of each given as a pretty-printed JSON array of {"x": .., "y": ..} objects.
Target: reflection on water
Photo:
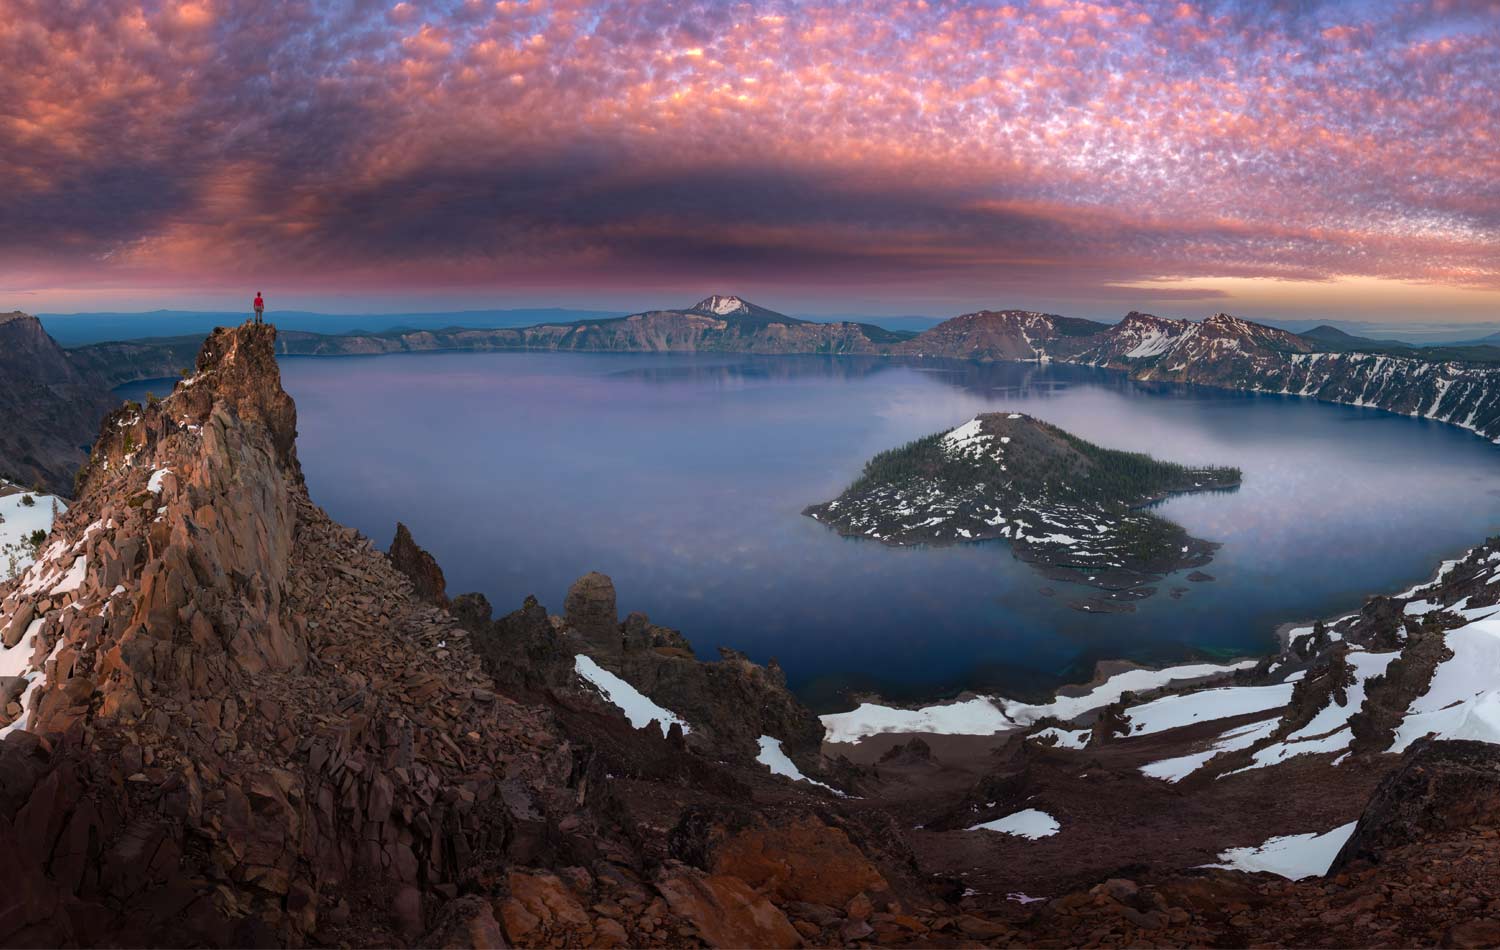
[{"x": 683, "y": 477}]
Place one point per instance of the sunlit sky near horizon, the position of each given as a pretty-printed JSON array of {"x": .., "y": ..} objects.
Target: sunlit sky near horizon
[{"x": 1286, "y": 160}]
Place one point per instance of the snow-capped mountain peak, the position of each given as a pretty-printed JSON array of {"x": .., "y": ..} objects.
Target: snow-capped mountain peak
[{"x": 723, "y": 306}]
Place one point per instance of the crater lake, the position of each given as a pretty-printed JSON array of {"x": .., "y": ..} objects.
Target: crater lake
[{"x": 683, "y": 477}]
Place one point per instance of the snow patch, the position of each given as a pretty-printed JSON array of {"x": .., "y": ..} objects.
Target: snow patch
[
  {"x": 1176, "y": 769},
  {"x": 965, "y": 437},
  {"x": 988, "y": 715},
  {"x": 1291, "y": 856},
  {"x": 631, "y": 701},
  {"x": 18, "y": 522},
  {"x": 972, "y": 717},
  {"x": 773, "y": 757},
  {"x": 74, "y": 578},
  {"x": 1064, "y": 738},
  {"x": 1463, "y": 701},
  {"x": 1028, "y": 823},
  {"x": 1137, "y": 681},
  {"x": 1171, "y": 712},
  {"x": 723, "y": 306}
]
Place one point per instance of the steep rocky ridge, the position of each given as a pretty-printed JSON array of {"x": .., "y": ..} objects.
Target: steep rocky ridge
[
  {"x": 49, "y": 407},
  {"x": 730, "y": 703},
  {"x": 419, "y": 567},
  {"x": 248, "y": 713}
]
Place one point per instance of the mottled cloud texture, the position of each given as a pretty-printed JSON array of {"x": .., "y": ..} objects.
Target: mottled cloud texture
[{"x": 1057, "y": 145}]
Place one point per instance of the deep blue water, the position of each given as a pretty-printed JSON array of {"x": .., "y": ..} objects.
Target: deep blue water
[{"x": 683, "y": 477}]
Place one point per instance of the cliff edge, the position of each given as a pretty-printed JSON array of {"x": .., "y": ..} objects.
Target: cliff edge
[{"x": 49, "y": 409}]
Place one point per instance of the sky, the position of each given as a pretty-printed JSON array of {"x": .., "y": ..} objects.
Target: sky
[{"x": 1273, "y": 158}]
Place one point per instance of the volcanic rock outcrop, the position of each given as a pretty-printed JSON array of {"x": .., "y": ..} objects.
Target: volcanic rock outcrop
[
  {"x": 253, "y": 729},
  {"x": 419, "y": 567},
  {"x": 730, "y": 703}
]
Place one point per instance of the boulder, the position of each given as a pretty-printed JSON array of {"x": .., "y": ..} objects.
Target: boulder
[
  {"x": 540, "y": 907},
  {"x": 915, "y": 751},
  {"x": 590, "y": 611},
  {"x": 1442, "y": 787},
  {"x": 467, "y": 923},
  {"x": 796, "y": 857},
  {"x": 804, "y": 859},
  {"x": 473, "y": 610},
  {"x": 725, "y": 910},
  {"x": 12, "y": 631}
]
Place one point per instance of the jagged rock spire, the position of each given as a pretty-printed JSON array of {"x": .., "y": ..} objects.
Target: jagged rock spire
[{"x": 254, "y": 731}]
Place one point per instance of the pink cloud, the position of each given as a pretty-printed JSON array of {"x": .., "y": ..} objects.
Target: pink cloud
[{"x": 1035, "y": 142}]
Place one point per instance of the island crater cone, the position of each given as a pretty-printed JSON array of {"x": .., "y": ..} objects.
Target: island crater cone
[{"x": 1072, "y": 508}]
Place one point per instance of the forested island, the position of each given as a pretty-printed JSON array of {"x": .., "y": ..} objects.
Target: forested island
[{"x": 1070, "y": 507}]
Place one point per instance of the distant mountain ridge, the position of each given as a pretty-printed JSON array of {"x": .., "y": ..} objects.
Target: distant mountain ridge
[
  {"x": 1334, "y": 337},
  {"x": 1000, "y": 335},
  {"x": 1457, "y": 384},
  {"x": 719, "y": 323},
  {"x": 81, "y": 329}
]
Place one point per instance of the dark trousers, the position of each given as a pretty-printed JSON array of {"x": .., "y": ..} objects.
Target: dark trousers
[{"x": 258, "y": 312}]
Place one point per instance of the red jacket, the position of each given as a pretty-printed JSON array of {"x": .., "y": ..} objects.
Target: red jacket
[{"x": 259, "y": 303}]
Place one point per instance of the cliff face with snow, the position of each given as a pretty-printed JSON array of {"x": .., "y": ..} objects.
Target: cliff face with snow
[
  {"x": 1230, "y": 353},
  {"x": 49, "y": 408}
]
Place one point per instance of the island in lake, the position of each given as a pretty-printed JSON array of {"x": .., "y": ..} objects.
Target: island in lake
[{"x": 1072, "y": 508}]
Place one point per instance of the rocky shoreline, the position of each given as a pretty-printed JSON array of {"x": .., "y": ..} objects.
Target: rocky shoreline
[{"x": 1286, "y": 635}]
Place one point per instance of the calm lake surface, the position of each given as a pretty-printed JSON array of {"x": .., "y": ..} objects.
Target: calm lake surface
[{"x": 683, "y": 478}]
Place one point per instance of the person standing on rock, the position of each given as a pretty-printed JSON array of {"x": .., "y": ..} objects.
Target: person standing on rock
[{"x": 260, "y": 307}]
